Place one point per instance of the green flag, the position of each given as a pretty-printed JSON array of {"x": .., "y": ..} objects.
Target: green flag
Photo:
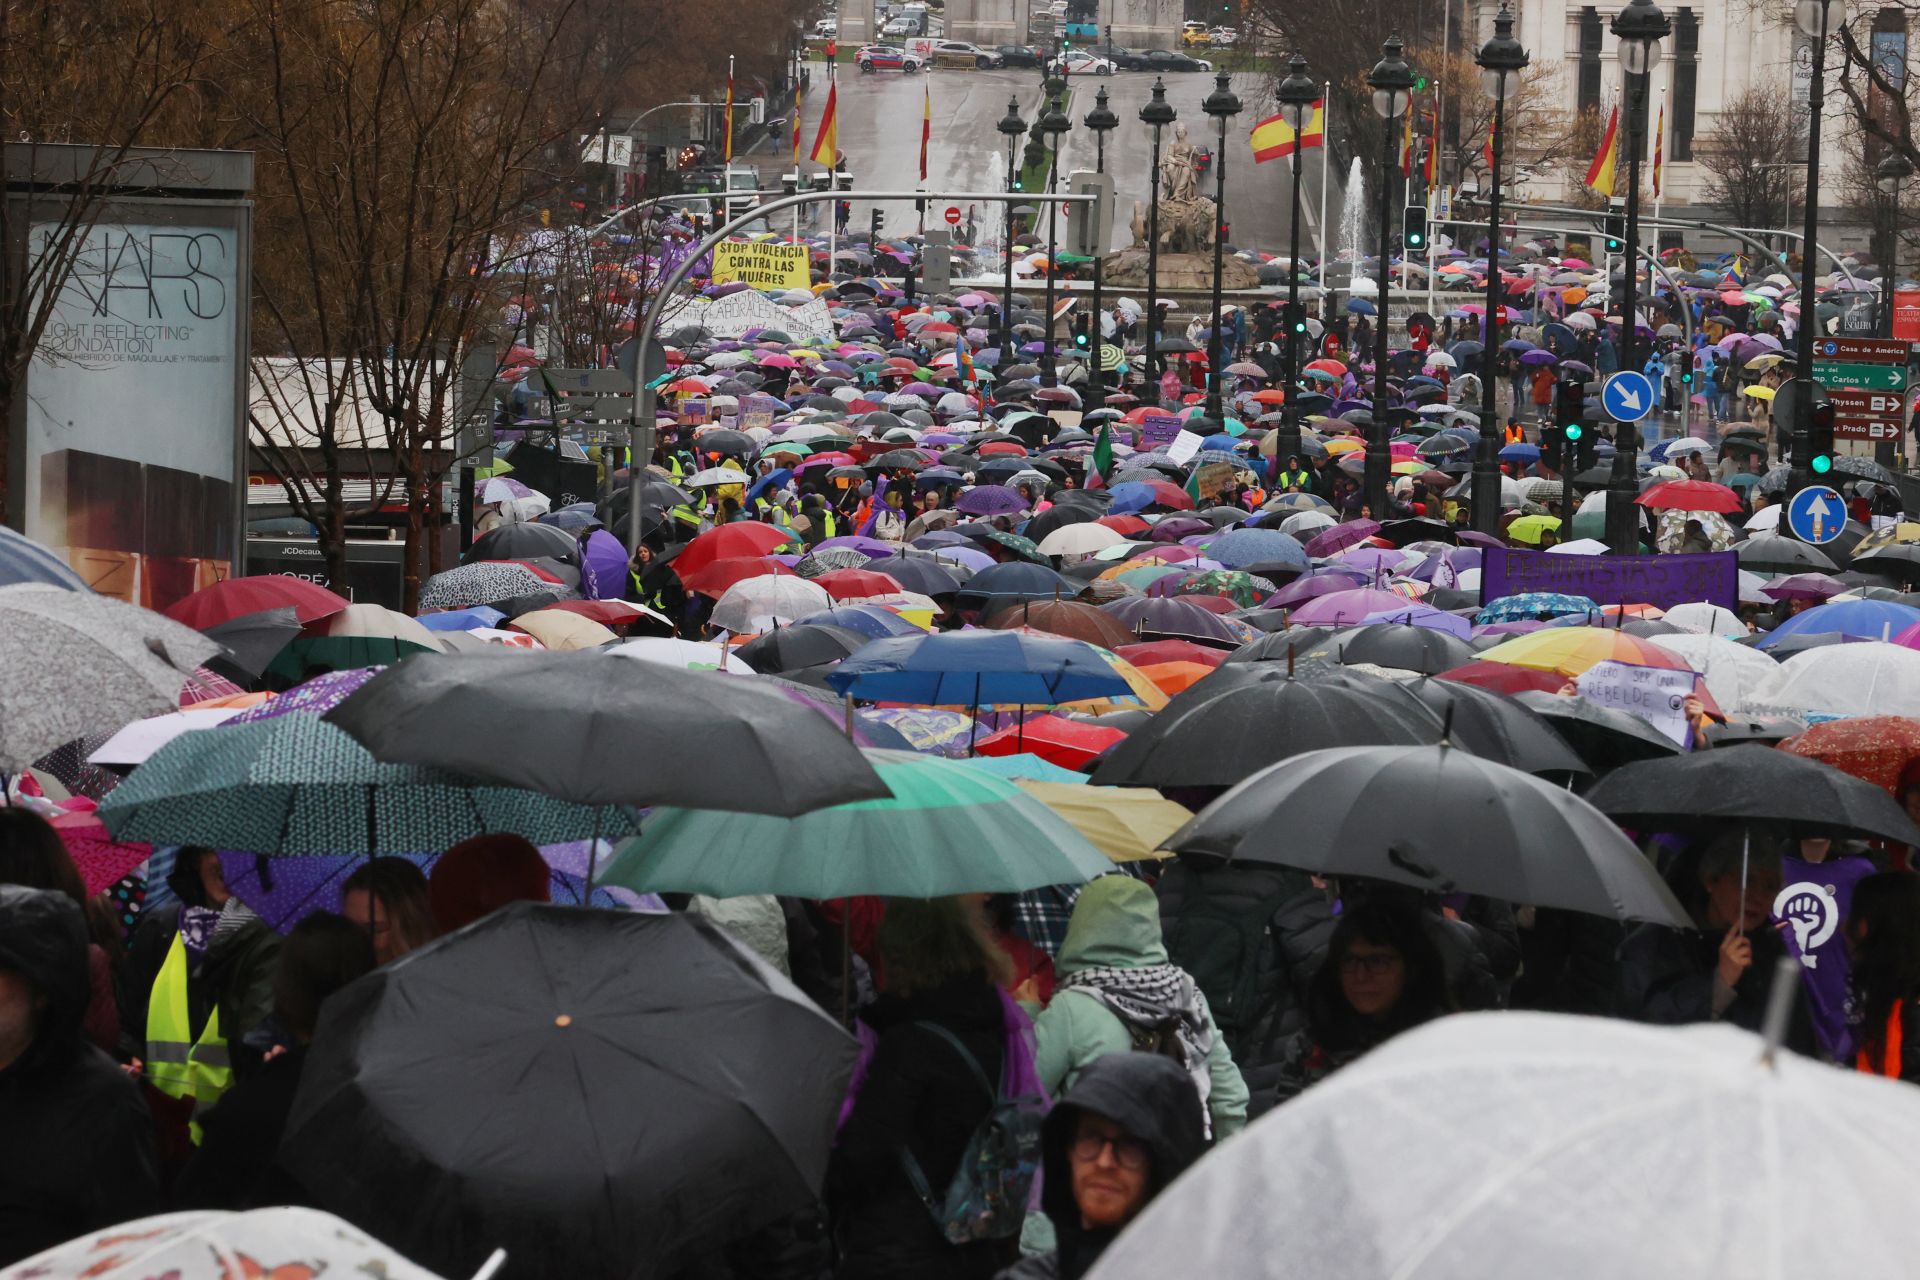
[
  {"x": 1103, "y": 453},
  {"x": 1193, "y": 487}
]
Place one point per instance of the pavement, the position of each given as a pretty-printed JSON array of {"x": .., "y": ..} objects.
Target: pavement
[{"x": 880, "y": 117}]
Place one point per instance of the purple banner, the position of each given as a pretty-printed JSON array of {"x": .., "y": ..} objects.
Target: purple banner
[
  {"x": 1157, "y": 430},
  {"x": 1663, "y": 581}
]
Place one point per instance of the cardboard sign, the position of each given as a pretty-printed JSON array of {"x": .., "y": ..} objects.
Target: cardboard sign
[
  {"x": 757, "y": 410},
  {"x": 1713, "y": 577},
  {"x": 764, "y": 266},
  {"x": 1657, "y": 695},
  {"x": 1158, "y": 429}
]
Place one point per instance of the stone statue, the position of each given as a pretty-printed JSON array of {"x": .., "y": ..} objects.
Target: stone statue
[
  {"x": 1177, "y": 181},
  {"x": 1187, "y": 227}
]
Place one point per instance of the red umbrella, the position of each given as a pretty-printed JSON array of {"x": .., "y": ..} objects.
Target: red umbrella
[
  {"x": 101, "y": 859},
  {"x": 729, "y": 541},
  {"x": 1155, "y": 651},
  {"x": 855, "y": 584},
  {"x": 224, "y": 601},
  {"x": 1502, "y": 677},
  {"x": 1690, "y": 495},
  {"x": 1125, "y": 526},
  {"x": 1010, "y": 448},
  {"x": 1055, "y": 739},
  {"x": 1168, "y": 494},
  {"x": 1877, "y": 749},
  {"x": 1213, "y": 604},
  {"x": 714, "y": 579}
]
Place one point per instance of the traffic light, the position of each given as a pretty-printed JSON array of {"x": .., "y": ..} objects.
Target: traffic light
[
  {"x": 1615, "y": 226},
  {"x": 1293, "y": 318},
  {"x": 1553, "y": 446},
  {"x": 1820, "y": 435},
  {"x": 1079, "y": 326},
  {"x": 876, "y": 226},
  {"x": 1414, "y": 229}
]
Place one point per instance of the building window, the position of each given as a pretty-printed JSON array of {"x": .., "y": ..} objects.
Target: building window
[
  {"x": 1590, "y": 37},
  {"x": 1890, "y": 64},
  {"x": 1686, "y": 80}
]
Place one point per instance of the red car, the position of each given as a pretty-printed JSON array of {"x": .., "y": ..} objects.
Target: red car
[{"x": 883, "y": 57}]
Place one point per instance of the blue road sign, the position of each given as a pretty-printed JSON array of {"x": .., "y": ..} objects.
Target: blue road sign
[
  {"x": 1627, "y": 396},
  {"x": 1816, "y": 514}
]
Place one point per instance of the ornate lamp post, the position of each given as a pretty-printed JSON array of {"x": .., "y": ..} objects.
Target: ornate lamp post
[
  {"x": 1297, "y": 94},
  {"x": 1156, "y": 115},
  {"x": 1817, "y": 19},
  {"x": 1222, "y": 105},
  {"x": 1392, "y": 83},
  {"x": 1053, "y": 124},
  {"x": 1102, "y": 121},
  {"x": 1639, "y": 27},
  {"x": 1011, "y": 126},
  {"x": 1501, "y": 61}
]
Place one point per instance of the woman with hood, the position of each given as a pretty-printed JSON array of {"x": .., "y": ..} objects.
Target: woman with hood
[
  {"x": 1117, "y": 992},
  {"x": 1130, "y": 1125}
]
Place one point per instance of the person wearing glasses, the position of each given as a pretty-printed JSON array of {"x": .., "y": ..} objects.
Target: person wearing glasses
[
  {"x": 1130, "y": 1124},
  {"x": 1383, "y": 975}
]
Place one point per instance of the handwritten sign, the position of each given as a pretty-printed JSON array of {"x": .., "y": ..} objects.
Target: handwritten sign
[
  {"x": 1657, "y": 695},
  {"x": 757, "y": 410},
  {"x": 762, "y": 265},
  {"x": 1713, "y": 577},
  {"x": 1158, "y": 429},
  {"x": 1184, "y": 446}
]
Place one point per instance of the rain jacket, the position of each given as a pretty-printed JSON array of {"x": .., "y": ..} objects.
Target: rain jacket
[
  {"x": 77, "y": 1139},
  {"x": 236, "y": 976},
  {"x": 1152, "y": 1099},
  {"x": 1667, "y": 977},
  {"x": 1116, "y": 924}
]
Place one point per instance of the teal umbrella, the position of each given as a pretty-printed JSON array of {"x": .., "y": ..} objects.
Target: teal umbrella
[
  {"x": 948, "y": 828},
  {"x": 299, "y": 785}
]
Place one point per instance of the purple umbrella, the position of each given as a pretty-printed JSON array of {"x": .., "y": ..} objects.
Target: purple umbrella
[
  {"x": 990, "y": 500},
  {"x": 1350, "y": 607},
  {"x": 318, "y": 695},
  {"x": 1474, "y": 538},
  {"x": 1176, "y": 619},
  {"x": 1518, "y": 627},
  {"x": 1803, "y": 586},
  {"x": 872, "y": 546},
  {"x": 1177, "y": 527},
  {"x": 1179, "y": 553},
  {"x": 1348, "y": 534},
  {"x": 941, "y": 539},
  {"x": 1375, "y": 559},
  {"x": 1302, "y": 590},
  {"x": 1421, "y": 615},
  {"x": 603, "y": 567},
  {"x": 1538, "y": 357}
]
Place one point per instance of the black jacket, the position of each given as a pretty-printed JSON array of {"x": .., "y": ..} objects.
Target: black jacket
[
  {"x": 1667, "y": 976},
  {"x": 78, "y": 1140},
  {"x": 235, "y": 1166},
  {"x": 921, "y": 1095},
  {"x": 1149, "y": 1096}
]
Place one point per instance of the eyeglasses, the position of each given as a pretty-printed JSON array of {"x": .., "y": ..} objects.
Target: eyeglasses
[
  {"x": 1128, "y": 1153},
  {"x": 1379, "y": 963}
]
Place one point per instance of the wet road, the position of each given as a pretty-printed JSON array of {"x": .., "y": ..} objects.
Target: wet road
[{"x": 880, "y": 118}]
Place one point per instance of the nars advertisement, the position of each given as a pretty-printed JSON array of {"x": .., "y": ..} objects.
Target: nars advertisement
[{"x": 130, "y": 420}]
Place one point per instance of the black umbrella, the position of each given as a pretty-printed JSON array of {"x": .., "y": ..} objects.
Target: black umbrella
[
  {"x": 1404, "y": 647},
  {"x": 1752, "y": 783},
  {"x": 525, "y": 542},
  {"x": 252, "y": 640},
  {"x": 736, "y": 443},
  {"x": 1266, "y": 620},
  {"x": 602, "y": 1094},
  {"x": 928, "y": 576},
  {"x": 1602, "y": 736},
  {"x": 1769, "y": 552},
  {"x": 789, "y": 648},
  {"x": 622, "y": 731},
  {"x": 1437, "y": 818},
  {"x": 1277, "y": 646},
  {"x": 1240, "y": 719},
  {"x": 1495, "y": 727},
  {"x": 1059, "y": 516},
  {"x": 1754, "y": 729},
  {"x": 898, "y": 460}
]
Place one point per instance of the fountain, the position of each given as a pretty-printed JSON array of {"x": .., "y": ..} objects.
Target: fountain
[{"x": 1353, "y": 216}]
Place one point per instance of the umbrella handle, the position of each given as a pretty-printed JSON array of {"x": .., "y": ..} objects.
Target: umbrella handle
[{"x": 491, "y": 1267}]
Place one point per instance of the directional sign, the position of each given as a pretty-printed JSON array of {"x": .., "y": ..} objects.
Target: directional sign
[
  {"x": 1864, "y": 377},
  {"x": 1627, "y": 396},
  {"x": 1867, "y": 415},
  {"x": 1862, "y": 350},
  {"x": 953, "y": 215},
  {"x": 1816, "y": 514}
]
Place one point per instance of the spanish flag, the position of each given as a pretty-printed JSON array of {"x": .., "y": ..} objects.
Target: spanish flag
[
  {"x": 1432, "y": 162},
  {"x": 926, "y": 127},
  {"x": 797, "y": 114},
  {"x": 1486, "y": 150},
  {"x": 1406, "y": 148},
  {"x": 1600, "y": 172},
  {"x": 826, "y": 143},
  {"x": 1659, "y": 149},
  {"x": 1273, "y": 137}
]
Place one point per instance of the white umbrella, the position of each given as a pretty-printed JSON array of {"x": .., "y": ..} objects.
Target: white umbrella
[
  {"x": 1701, "y": 618},
  {"x": 1440, "y": 360},
  {"x": 1766, "y": 519},
  {"x": 1579, "y": 320},
  {"x": 216, "y": 1245},
  {"x": 1079, "y": 540},
  {"x": 1307, "y": 522},
  {"x": 713, "y": 477},
  {"x": 692, "y": 655},
  {"x": 1733, "y": 672},
  {"x": 1867, "y": 678},
  {"x": 1512, "y": 1146},
  {"x": 754, "y": 604},
  {"x": 1688, "y": 444},
  {"x": 1579, "y": 547},
  {"x": 378, "y": 623},
  {"x": 1750, "y": 584},
  {"x": 133, "y": 744}
]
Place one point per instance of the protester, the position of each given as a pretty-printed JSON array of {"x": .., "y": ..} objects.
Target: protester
[
  {"x": 1883, "y": 937},
  {"x": 477, "y": 877},
  {"x": 33, "y": 855},
  {"x": 388, "y": 897}
]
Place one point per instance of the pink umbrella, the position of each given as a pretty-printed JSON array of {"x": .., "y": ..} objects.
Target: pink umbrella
[
  {"x": 1346, "y": 608},
  {"x": 1341, "y": 536},
  {"x": 778, "y": 360},
  {"x": 102, "y": 861}
]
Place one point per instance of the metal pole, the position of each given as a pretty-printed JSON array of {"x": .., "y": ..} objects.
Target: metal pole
[
  {"x": 1096, "y": 376},
  {"x": 1216, "y": 360},
  {"x": 1486, "y": 461},
  {"x": 1326, "y": 178},
  {"x": 1289, "y": 441},
  {"x": 1155, "y": 365},
  {"x": 1049, "y": 364},
  {"x": 1623, "y": 517},
  {"x": 1006, "y": 295},
  {"x": 1378, "y": 462},
  {"x": 1809, "y": 311}
]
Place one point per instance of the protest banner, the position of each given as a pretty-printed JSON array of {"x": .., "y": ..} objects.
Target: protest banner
[
  {"x": 764, "y": 266},
  {"x": 1157, "y": 429},
  {"x": 1657, "y": 695},
  {"x": 1663, "y": 581},
  {"x": 757, "y": 410}
]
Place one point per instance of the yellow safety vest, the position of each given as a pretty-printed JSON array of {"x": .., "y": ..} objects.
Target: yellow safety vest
[{"x": 178, "y": 1065}]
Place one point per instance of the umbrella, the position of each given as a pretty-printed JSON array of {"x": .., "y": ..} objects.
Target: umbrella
[
  {"x": 1070, "y": 618},
  {"x": 921, "y": 573},
  {"x": 1878, "y": 749},
  {"x": 483, "y": 582},
  {"x": 24, "y": 560},
  {"x": 1497, "y": 728},
  {"x": 1732, "y": 672},
  {"x": 1238, "y": 548},
  {"x": 869, "y": 620},
  {"x": 1070, "y": 744},
  {"x": 230, "y": 598},
  {"x": 1405, "y": 647},
  {"x": 1864, "y": 679},
  {"x": 525, "y": 542},
  {"x": 1478, "y": 827},
  {"x": 594, "y": 730},
  {"x": 1771, "y": 553},
  {"x": 561, "y": 630},
  {"x": 73, "y": 663},
  {"x": 978, "y": 668},
  {"x": 1856, "y": 619},
  {"x": 1348, "y": 607},
  {"x": 754, "y": 604},
  {"x": 945, "y": 828},
  {"x": 1017, "y": 580},
  {"x": 1127, "y": 824},
  {"x": 1509, "y": 1146},
  {"x": 1690, "y": 495},
  {"x": 281, "y": 1243},
  {"x": 295, "y": 784},
  {"x": 1172, "y": 618},
  {"x": 1700, "y": 792},
  {"x": 681, "y": 655},
  {"x": 1603, "y": 736},
  {"x": 1570, "y": 651},
  {"x": 686, "y": 1094},
  {"x": 252, "y": 640},
  {"x": 1248, "y": 716},
  {"x": 790, "y": 648}
]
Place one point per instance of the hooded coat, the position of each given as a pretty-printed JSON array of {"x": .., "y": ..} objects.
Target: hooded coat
[
  {"x": 77, "y": 1136},
  {"x": 1151, "y": 1098},
  {"x": 1116, "y": 924}
]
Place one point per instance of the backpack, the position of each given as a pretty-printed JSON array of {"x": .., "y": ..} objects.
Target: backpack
[
  {"x": 1223, "y": 942},
  {"x": 988, "y": 1196}
]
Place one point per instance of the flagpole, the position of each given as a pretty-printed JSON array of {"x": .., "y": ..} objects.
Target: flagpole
[
  {"x": 1326, "y": 177},
  {"x": 729, "y": 156}
]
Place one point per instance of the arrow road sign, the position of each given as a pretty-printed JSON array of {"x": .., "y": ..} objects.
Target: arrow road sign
[
  {"x": 1816, "y": 514},
  {"x": 1627, "y": 396},
  {"x": 1865, "y": 377}
]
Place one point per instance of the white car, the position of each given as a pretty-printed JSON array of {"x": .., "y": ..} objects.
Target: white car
[
  {"x": 1082, "y": 63},
  {"x": 1223, "y": 37},
  {"x": 826, "y": 28}
]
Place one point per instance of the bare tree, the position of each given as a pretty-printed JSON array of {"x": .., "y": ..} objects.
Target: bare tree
[{"x": 1741, "y": 155}]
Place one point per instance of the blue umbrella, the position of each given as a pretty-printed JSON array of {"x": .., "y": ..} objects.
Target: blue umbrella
[
  {"x": 1533, "y": 604},
  {"x": 867, "y": 619},
  {"x": 481, "y": 615},
  {"x": 1360, "y": 307},
  {"x": 1520, "y": 453},
  {"x": 1240, "y": 547},
  {"x": 977, "y": 668},
  {"x": 1223, "y": 442},
  {"x": 1019, "y": 580},
  {"x": 1857, "y": 619},
  {"x": 1129, "y": 497},
  {"x": 24, "y": 560}
]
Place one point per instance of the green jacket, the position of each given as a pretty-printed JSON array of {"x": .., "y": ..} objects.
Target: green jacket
[{"x": 1116, "y": 924}]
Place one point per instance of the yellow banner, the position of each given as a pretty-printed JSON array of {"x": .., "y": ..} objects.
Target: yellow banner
[{"x": 764, "y": 266}]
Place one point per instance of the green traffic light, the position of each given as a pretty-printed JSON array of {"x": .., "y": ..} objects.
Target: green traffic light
[
  {"x": 1822, "y": 464},
  {"x": 1575, "y": 431}
]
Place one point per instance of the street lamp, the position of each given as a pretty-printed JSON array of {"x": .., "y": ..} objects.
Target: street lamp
[
  {"x": 1011, "y": 127},
  {"x": 1222, "y": 105},
  {"x": 1102, "y": 121},
  {"x": 1890, "y": 175},
  {"x": 1501, "y": 61},
  {"x": 1297, "y": 94},
  {"x": 1392, "y": 83},
  {"x": 1639, "y": 28},
  {"x": 1157, "y": 115},
  {"x": 1053, "y": 123},
  {"x": 1815, "y": 17}
]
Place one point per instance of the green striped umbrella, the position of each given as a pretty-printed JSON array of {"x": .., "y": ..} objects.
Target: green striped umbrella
[
  {"x": 299, "y": 785},
  {"x": 949, "y": 828}
]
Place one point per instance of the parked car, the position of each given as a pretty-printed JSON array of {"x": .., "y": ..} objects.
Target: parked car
[
  {"x": 1019, "y": 55},
  {"x": 885, "y": 57},
  {"x": 1194, "y": 35},
  {"x": 1081, "y": 63},
  {"x": 1124, "y": 59},
  {"x": 826, "y": 28},
  {"x": 985, "y": 59},
  {"x": 1223, "y": 37},
  {"x": 1168, "y": 60},
  {"x": 898, "y": 28}
]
